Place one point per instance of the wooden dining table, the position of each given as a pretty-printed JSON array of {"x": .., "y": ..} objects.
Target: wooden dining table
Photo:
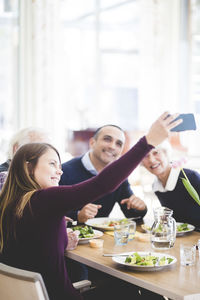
[{"x": 175, "y": 281}]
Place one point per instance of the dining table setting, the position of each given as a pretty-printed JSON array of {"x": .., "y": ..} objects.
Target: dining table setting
[{"x": 144, "y": 257}]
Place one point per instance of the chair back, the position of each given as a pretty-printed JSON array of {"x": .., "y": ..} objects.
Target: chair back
[{"x": 17, "y": 284}]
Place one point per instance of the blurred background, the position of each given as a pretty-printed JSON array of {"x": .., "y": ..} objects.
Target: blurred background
[{"x": 70, "y": 66}]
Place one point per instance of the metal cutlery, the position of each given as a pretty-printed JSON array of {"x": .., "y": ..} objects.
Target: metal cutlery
[
  {"x": 69, "y": 220},
  {"x": 115, "y": 254}
]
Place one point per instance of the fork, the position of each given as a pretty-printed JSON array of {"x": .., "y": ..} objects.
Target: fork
[{"x": 69, "y": 220}]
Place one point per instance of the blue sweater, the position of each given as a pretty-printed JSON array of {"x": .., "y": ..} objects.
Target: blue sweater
[
  {"x": 75, "y": 172},
  {"x": 184, "y": 206}
]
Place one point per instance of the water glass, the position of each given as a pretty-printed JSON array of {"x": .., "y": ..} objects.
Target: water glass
[
  {"x": 121, "y": 234},
  {"x": 187, "y": 254},
  {"x": 132, "y": 229}
]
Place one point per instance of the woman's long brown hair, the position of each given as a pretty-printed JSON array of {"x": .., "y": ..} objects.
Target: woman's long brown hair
[{"x": 19, "y": 186}]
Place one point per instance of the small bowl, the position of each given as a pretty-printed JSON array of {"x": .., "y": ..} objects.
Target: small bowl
[{"x": 96, "y": 243}]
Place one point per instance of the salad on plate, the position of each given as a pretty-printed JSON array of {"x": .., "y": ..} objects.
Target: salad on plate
[
  {"x": 106, "y": 223},
  {"x": 145, "y": 261},
  {"x": 87, "y": 233},
  {"x": 181, "y": 228}
]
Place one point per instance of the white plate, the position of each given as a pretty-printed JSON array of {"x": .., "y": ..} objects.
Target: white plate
[
  {"x": 179, "y": 233},
  {"x": 146, "y": 228},
  {"x": 97, "y": 234},
  {"x": 121, "y": 260},
  {"x": 102, "y": 223}
]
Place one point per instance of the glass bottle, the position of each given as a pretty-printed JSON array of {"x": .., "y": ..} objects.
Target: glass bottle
[{"x": 163, "y": 231}]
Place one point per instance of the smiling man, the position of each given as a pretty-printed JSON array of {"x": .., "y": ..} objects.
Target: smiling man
[{"x": 106, "y": 146}]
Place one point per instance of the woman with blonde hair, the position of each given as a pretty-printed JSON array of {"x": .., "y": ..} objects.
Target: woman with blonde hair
[{"x": 33, "y": 207}]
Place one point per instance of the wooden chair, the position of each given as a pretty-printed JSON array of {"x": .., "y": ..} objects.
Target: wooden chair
[{"x": 20, "y": 284}]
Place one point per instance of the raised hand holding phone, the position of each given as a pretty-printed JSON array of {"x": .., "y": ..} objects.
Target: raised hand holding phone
[
  {"x": 160, "y": 129},
  {"x": 187, "y": 124}
]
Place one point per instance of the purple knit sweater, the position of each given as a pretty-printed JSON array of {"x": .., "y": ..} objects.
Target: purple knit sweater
[{"x": 41, "y": 232}]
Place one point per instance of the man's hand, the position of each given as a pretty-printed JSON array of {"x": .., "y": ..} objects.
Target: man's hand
[
  {"x": 88, "y": 211},
  {"x": 134, "y": 202}
]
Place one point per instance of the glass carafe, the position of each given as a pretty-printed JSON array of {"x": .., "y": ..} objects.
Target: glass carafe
[{"x": 163, "y": 231}]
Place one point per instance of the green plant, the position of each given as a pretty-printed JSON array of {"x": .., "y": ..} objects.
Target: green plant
[{"x": 191, "y": 190}]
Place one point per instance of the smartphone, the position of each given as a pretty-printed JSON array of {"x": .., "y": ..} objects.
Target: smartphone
[{"x": 187, "y": 124}]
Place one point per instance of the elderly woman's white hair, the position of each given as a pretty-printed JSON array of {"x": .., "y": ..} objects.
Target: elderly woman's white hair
[
  {"x": 27, "y": 135},
  {"x": 166, "y": 146}
]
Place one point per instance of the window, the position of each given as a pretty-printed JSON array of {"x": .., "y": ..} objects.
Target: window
[
  {"x": 190, "y": 72},
  {"x": 120, "y": 59},
  {"x": 86, "y": 63},
  {"x": 101, "y": 44},
  {"x": 9, "y": 29}
]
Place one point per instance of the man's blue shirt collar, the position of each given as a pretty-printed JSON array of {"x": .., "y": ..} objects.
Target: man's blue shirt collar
[{"x": 86, "y": 161}]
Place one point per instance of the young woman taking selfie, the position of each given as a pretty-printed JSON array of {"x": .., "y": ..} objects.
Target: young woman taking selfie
[{"x": 33, "y": 207}]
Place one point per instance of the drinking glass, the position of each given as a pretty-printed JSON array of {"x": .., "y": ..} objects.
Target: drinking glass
[
  {"x": 132, "y": 229},
  {"x": 121, "y": 234},
  {"x": 187, "y": 254}
]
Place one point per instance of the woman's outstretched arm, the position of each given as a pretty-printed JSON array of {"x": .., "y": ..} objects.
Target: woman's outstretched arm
[{"x": 66, "y": 198}]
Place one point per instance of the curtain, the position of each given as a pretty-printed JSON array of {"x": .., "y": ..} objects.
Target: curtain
[{"x": 39, "y": 52}]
